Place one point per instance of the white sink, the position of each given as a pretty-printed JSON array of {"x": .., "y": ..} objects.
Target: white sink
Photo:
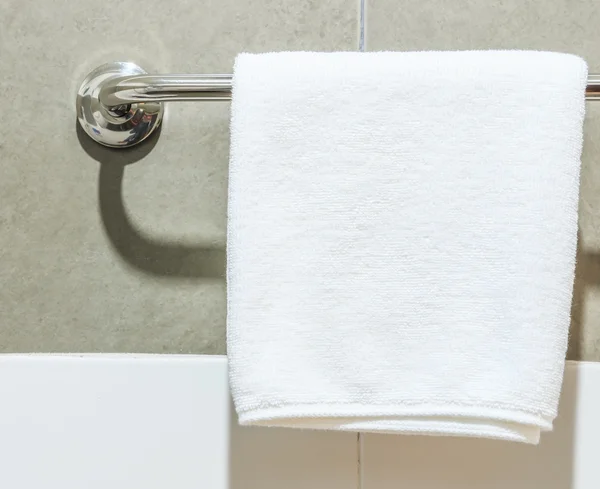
[{"x": 166, "y": 422}]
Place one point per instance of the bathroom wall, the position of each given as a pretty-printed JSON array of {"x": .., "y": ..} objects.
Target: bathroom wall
[{"x": 105, "y": 251}]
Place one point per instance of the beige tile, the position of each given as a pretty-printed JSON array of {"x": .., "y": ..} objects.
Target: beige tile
[
  {"x": 559, "y": 25},
  {"x": 279, "y": 458},
  {"x": 125, "y": 251}
]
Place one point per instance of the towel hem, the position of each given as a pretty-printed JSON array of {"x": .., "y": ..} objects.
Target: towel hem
[{"x": 472, "y": 421}]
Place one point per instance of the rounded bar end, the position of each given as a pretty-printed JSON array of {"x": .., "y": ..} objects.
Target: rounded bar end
[{"x": 120, "y": 126}]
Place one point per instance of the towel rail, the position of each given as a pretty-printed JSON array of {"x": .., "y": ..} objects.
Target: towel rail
[{"x": 119, "y": 104}]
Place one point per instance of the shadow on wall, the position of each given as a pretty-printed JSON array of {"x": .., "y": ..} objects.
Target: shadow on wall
[
  {"x": 159, "y": 258},
  {"x": 587, "y": 274},
  {"x": 171, "y": 260}
]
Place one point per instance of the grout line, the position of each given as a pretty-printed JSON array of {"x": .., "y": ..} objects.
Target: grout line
[
  {"x": 359, "y": 481},
  {"x": 362, "y": 25}
]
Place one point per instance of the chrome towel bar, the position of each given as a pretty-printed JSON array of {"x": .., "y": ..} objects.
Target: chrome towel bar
[{"x": 120, "y": 105}]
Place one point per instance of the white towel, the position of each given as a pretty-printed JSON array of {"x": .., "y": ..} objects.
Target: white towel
[{"x": 401, "y": 239}]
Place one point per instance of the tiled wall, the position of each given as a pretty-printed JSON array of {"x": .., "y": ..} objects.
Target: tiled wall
[{"x": 108, "y": 251}]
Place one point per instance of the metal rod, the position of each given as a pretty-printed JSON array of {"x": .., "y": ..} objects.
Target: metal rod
[
  {"x": 119, "y": 105},
  {"x": 164, "y": 88},
  {"x": 592, "y": 92},
  {"x": 176, "y": 88}
]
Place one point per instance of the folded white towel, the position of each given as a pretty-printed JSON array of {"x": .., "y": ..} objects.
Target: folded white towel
[{"x": 401, "y": 241}]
